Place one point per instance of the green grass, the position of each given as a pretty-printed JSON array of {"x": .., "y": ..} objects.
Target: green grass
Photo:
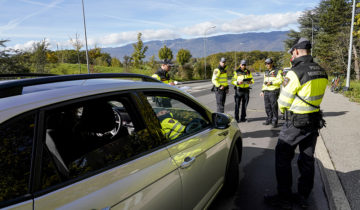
[
  {"x": 65, "y": 68},
  {"x": 353, "y": 93}
]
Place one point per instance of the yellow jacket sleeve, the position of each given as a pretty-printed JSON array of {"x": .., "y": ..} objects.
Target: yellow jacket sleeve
[
  {"x": 215, "y": 77},
  {"x": 288, "y": 91}
]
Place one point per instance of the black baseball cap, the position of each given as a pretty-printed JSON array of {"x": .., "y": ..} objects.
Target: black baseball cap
[
  {"x": 303, "y": 43},
  {"x": 167, "y": 62}
]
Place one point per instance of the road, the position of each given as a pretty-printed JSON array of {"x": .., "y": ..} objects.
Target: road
[{"x": 258, "y": 159}]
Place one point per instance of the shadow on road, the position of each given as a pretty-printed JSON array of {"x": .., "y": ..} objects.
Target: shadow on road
[
  {"x": 334, "y": 114},
  {"x": 260, "y": 133},
  {"x": 258, "y": 178}
]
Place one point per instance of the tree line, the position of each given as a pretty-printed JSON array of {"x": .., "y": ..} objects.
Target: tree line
[{"x": 328, "y": 27}]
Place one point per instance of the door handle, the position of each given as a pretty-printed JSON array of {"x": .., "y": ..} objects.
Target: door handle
[
  {"x": 187, "y": 162},
  {"x": 225, "y": 133}
]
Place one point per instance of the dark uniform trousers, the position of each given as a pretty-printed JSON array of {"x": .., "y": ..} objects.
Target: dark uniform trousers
[
  {"x": 271, "y": 105},
  {"x": 290, "y": 137},
  {"x": 220, "y": 100},
  {"x": 241, "y": 96}
]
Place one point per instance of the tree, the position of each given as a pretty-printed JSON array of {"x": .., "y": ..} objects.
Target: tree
[
  {"x": 94, "y": 54},
  {"x": 13, "y": 61},
  {"x": 165, "y": 53},
  {"x": 115, "y": 62},
  {"x": 152, "y": 62},
  {"x": 139, "y": 51},
  {"x": 127, "y": 62},
  {"x": 77, "y": 44},
  {"x": 39, "y": 55},
  {"x": 183, "y": 56}
]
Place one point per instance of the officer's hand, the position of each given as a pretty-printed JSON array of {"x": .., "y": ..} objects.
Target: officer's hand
[
  {"x": 240, "y": 82},
  {"x": 221, "y": 87},
  {"x": 172, "y": 83},
  {"x": 261, "y": 94}
]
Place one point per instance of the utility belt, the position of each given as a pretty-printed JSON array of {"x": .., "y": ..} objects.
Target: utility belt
[
  {"x": 242, "y": 89},
  {"x": 314, "y": 120},
  {"x": 214, "y": 88}
]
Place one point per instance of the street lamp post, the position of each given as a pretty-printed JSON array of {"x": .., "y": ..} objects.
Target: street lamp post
[
  {"x": 347, "y": 86},
  {"x": 87, "y": 53},
  {"x": 205, "y": 47}
]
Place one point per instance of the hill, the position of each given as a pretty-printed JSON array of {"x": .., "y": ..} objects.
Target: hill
[{"x": 270, "y": 41}]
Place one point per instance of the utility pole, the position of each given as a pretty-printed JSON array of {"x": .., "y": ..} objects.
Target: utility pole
[
  {"x": 347, "y": 86},
  {"x": 205, "y": 47},
  {"x": 87, "y": 53}
]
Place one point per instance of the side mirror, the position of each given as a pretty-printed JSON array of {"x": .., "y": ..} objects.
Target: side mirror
[{"x": 220, "y": 120}]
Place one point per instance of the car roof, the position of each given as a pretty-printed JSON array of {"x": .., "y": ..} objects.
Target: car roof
[{"x": 43, "y": 94}]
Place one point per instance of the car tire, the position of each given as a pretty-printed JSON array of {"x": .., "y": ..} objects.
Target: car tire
[{"x": 232, "y": 174}]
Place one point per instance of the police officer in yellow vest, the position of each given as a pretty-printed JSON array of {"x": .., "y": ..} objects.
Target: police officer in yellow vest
[
  {"x": 242, "y": 79},
  {"x": 163, "y": 75},
  {"x": 221, "y": 86},
  {"x": 271, "y": 90},
  {"x": 171, "y": 127},
  {"x": 303, "y": 90}
]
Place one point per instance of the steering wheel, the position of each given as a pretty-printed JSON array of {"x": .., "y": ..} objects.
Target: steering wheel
[
  {"x": 118, "y": 123},
  {"x": 194, "y": 125}
]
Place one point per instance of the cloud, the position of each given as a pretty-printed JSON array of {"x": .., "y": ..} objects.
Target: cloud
[{"x": 246, "y": 23}]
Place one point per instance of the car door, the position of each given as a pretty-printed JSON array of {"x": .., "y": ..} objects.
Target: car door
[
  {"x": 99, "y": 153},
  {"x": 16, "y": 149},
  {"x": 200, "y": 152}
]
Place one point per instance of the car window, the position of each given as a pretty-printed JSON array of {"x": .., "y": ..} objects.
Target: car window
[
  {"x": 91, "y": 136},
  {"x": 177, "y": 118},
  {"x": 16, "y": 142}
]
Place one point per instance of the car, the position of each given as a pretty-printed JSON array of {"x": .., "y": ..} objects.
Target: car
[{"x": 97, "y": 141}]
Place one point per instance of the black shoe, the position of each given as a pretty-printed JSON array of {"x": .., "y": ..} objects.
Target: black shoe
[
  {"x": 238, "y": 121},
  {"x": 243, "y": 120},
  {"x": 277, "y": 201},
  {"x": 266, "y": 123},
  {"x": 301, "y": 200},
  {"x": 274, "y": 125}
]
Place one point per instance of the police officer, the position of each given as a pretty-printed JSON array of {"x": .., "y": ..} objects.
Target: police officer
[
  {"x": 162, "y": 74},
  {"x": 271, "y": 90},
  {"x": 171, "y": 127},
  {"x": 242, "y": 79},
  {"x": 303, "y": 90},
  {"x": 221, "y": 86}
]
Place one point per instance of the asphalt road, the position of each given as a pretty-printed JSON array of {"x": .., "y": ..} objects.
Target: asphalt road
[{"x": 258, "y": 158}]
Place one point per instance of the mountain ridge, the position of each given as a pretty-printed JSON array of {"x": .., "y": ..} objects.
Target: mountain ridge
[{"x": 263, "y": 41}]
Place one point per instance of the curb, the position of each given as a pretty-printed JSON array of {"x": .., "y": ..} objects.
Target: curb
[{"x": 334, "y": 191}]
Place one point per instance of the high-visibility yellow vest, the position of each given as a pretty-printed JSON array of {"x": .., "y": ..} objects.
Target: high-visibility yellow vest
[
  {"x": 240, "y": 76},
  {"x": 275, "y": 77},
  {"x": 219, "y": 78},
  {"x": 172, "y": 128},
  {"x": 162, "y": 76},
  {"x": 309, "y": 83}
]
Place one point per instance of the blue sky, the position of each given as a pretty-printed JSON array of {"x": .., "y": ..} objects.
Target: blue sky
[{"x": 112, "y": 23}]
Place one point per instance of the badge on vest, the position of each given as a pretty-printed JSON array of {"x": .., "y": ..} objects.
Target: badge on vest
[{"x": 286, "y": 81}]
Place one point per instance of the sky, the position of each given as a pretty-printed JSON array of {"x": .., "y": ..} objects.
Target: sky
[{"x": 113, "y": 23}]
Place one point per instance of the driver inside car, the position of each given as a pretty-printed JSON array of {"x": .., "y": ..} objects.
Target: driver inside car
[{"x": 171, "y": 127}]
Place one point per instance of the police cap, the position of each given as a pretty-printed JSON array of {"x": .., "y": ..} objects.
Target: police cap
[
  {"x": 167, "y": 62},
  {"x": 303, "y": 43},
  {"x": 223, "y": 60},
  {"x": 268, "y": 60},
  {"x": 243, "y": 62}
]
